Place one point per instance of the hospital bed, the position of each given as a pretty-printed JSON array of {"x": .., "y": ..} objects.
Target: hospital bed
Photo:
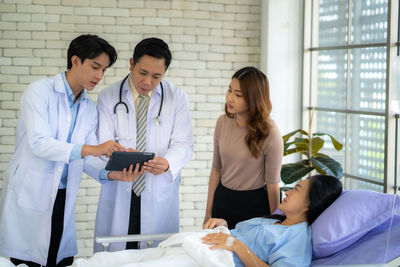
[{"x": 377, "y": 246}]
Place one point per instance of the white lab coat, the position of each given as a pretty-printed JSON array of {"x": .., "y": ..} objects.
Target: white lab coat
[
  {"x": 33, "y": 174},
  {"x": 172, "y": 139}
]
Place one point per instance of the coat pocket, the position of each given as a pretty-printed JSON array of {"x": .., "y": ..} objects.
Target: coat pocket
[{"x": 36, "y": 190}]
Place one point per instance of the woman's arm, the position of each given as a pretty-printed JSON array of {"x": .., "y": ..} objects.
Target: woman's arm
[
  {"x": 272, "y": 166},
  {"x": 215, "y": 178},
  {"x": 273, "y": 196},
  {"x": 228, "y": 242},
  {"x": 247, "y": 257}
]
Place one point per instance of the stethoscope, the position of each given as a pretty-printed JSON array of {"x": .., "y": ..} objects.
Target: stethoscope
[{"x": 156, "y": 119}]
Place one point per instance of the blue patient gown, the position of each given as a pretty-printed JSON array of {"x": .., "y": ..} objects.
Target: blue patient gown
[{"x": 277, "y": 245}]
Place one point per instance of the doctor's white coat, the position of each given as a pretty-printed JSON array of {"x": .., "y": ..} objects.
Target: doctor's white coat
[
  {"x": 172, "y": 139},
  {"x": 33, "y": 174}
]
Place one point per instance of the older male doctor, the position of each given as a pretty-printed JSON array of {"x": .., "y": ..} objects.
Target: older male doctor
[
  {"x": 153, "y": 206},
  {"x": 56, "y": 140}
]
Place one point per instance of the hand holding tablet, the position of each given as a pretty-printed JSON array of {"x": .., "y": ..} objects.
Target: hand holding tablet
[{"x": 120, "y": 160}]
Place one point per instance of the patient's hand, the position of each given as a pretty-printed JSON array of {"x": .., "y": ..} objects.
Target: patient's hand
[
  {"x": 219, "y": 241},
  {"x": 214, "y": 222}
]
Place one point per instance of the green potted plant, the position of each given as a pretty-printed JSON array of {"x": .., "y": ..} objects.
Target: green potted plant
[{"x": 308, "y": 145}]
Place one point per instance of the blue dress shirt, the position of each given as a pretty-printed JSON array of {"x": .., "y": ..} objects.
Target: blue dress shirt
[{"x": 77, "y": 150}]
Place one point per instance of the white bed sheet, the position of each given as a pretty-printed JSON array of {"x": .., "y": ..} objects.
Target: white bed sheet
[{"x": 182, "y": 249}]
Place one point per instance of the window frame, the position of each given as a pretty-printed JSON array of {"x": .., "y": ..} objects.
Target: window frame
[{"x": 309, "y": 85}]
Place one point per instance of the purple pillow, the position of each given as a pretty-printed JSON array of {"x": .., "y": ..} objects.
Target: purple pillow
[{"x": 350, "y": 217}]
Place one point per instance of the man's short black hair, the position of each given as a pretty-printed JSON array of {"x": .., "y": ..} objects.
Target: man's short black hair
[
  {"x": 153, "y": 47},
  {"x": 90, "y": 46}
]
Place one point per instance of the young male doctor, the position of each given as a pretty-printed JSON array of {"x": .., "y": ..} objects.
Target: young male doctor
[
  {"x": 55, "y": 142},
  {"x": 144, "y": 112}
]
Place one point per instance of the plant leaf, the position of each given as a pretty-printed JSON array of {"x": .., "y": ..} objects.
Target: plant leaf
[
  {"x": 294, "y": 150},
  {"x": 316, "y": 144},
  {"x": 292, "y": 172},
  {"x": 328, "y": 165},
  {"x": 297, "y": 142},
  {"x": 319, "y": 170},
  {"x": 301, "y": 143},
  {"x": 316, "y": 155},
  {"x": 287, "y": 136},
  {"x": 338, "y": 146}
]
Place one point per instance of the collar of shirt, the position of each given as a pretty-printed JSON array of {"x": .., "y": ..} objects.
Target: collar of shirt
[
  {"x": 136, "y": 95},
  {"x": 70, "y": 94}
]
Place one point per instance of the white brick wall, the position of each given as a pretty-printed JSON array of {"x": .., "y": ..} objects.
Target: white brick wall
[{"x": 209, "y": 39}]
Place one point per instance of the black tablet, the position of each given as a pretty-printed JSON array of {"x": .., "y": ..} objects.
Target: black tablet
[{"x": 120, "y": 160}]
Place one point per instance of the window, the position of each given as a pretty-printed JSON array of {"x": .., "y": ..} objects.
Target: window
[{"x": 346, "y": 80}]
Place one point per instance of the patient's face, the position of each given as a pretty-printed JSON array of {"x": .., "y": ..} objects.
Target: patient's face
[{"x": 296, "y": 201}]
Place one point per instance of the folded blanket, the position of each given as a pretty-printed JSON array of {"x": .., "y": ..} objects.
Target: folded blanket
[{"x": 194, "y": 247}]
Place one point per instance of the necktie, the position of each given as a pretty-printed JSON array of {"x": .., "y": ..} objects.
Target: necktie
[{"x": 139, "y": 183}]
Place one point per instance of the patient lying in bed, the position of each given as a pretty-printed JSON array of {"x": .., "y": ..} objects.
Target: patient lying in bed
[{"x": 256, "y": 242}]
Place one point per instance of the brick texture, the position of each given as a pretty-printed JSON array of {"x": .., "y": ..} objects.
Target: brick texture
[{"x": 209, "y": 39}]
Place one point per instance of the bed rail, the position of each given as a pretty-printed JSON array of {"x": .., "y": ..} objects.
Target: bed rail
[{"x": 149, "y": 239}]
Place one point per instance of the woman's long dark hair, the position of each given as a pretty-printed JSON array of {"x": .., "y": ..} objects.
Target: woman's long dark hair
[
  {"x": 323, "y": 191},
  {"x": 255, "y": 89}
]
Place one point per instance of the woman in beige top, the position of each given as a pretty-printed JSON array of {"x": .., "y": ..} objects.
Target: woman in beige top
[{"x": 248, "y": 150}]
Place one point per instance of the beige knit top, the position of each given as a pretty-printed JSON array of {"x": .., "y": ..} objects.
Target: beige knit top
[{"x": 239, "y": 169}]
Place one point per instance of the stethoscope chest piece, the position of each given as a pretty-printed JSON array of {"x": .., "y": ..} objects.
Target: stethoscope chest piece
[{"x": 157, "y": 121}]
